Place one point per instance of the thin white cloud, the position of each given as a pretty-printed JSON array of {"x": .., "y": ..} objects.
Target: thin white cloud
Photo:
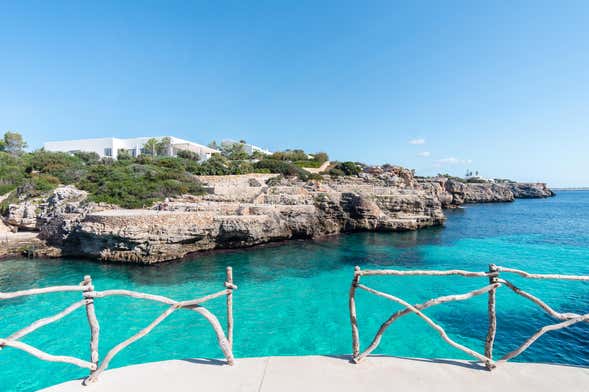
[
  {"x": 417, "y": 141},
  {"x": 452, "y": 161},
  {"x": 424, "y": 154}
]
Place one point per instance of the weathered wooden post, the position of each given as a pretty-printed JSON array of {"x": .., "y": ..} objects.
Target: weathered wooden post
[
  {"x": 353, "y": 319},
  {"x": 230, "y": 287},
  {"x": 493, "y": 278},
  {"x": 94, "y": 326}
]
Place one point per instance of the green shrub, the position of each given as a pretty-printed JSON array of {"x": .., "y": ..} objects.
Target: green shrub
[
  {"x": 235, "y": 151},
  {"x": 241, "y": 167},
  {"x": 68, "y": 168},
  {"x": 320, "y": 157},
  {"x": 192, "y": 156},
  {"x": 137, "y": 185},
  {"x": 5, "y": 188},
  {"x": 315, "y": 177},
  {"x": 216, "y": 165},
  {"x": 43, "y": 183},
  {"x": 308, "y": 163},
  {"x": 345, "y": 169},
  {"x": 290, "y": 155},
  {"x": 92, "y": 157},
  {"x": 281, "y": 167},
  {"x": 171, "y": 163},
  {"x": 124, "y": 155},
  {"x": 12, "y": 171}
]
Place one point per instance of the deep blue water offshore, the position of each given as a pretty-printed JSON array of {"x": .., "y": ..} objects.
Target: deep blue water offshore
[{"x": 292, "y": 297}]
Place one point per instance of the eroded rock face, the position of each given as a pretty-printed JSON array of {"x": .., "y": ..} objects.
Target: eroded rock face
[
  {"x": 5, "y": 229},
  {"x": 289, "y": 210},
  {"x": 452, "y": 193},
  {"x": 242, "y": 211},
  {"x": 62, "y": 213},
  {"x": 530, "y": 190},
  {"x": 23, "y": 215},
  {"x": 479, "y": 193}
]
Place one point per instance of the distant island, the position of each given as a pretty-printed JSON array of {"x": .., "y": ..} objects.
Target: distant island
[{"x": 161, "y": 202}]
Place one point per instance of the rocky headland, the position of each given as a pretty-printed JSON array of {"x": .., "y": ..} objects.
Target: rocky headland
[{"x": 246, "y": 210}]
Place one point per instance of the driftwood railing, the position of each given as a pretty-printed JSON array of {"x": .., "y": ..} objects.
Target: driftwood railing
[
  {"x": 89, "y": 295},
  {"x": 567, "y": 319}
]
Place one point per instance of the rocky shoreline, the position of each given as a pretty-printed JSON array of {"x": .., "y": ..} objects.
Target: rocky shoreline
[{"x": 247, "y": 210}]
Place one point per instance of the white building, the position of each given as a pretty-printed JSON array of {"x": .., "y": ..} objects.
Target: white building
[
  {"x": 248, "y": 148},
  {"x": 109, "y": 147}
]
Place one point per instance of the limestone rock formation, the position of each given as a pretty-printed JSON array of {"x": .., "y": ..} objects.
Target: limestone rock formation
[
  {"x": 225, "y": 220},
  {"x": 246, "y": 210},
  {"x": 23, "y": 215},
  {"x": 530, "y": 190}
]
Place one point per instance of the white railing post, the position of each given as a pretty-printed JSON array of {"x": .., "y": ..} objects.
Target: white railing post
[
  {"x": 493, "y": 279},
  {"x": 353, "y": 317},
  {"x": 93, "y": 323},
  {"x": 230, "y": 286}
]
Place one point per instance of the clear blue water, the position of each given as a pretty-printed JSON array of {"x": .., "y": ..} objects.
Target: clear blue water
[{"x": 292, "y": 297}]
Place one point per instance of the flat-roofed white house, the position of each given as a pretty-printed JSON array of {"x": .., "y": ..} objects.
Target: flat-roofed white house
[
  {"x": 248, "y": 148},
  {"x": 109, "y": 147}
]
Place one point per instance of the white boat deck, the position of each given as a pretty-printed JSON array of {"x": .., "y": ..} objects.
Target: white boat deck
[{"x": 324, "y": 373}]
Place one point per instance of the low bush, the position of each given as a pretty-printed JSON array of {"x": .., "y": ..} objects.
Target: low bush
[
  {"x": 137, "y": 185},
  {"x": 308, "y": 163},
  {"x": 290, "y": 155},
  {"x": 68, "y": 168},
  {"x": 192, "y": 156},
  {"x": 320, "y": 157},
  {"x": 345, "y": 169},
  {"x": 281, "y": 167},
  {"x": 315, "y": 177}
]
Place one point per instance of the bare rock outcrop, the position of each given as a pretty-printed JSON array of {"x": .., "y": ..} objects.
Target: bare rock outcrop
[
  {"x": 247, "y": 210},
  {"x": 530, "y": 190},
  {"x": 23, "y": 215},
  {"x": 289, "y": 210},
  {"x": 453, "y": 193}
]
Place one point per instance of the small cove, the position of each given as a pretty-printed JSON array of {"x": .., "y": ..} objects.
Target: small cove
[{"x": 292, "y": 298}]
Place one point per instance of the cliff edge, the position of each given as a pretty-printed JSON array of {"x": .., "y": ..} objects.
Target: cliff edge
[{"x": 246, "y": 210}]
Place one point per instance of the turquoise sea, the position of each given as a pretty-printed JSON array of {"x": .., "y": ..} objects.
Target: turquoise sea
[{"x": 292, "y": 297}]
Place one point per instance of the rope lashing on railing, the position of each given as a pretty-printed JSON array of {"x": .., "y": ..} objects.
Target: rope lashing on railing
[
  {"x": 568, "y": 319},
  {"x": 89, "y": 295}
]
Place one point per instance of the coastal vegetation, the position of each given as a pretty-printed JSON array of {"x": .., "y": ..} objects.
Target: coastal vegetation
[
  {"x": 345, "y": 169},
  {"x": 134, "y": 182}
]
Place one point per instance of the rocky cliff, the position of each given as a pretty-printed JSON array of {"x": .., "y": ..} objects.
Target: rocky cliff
[
  {"x": 241, "y": 211},
  {"x": 244, "y": 214},
  {"x": 453, "y": 193}
]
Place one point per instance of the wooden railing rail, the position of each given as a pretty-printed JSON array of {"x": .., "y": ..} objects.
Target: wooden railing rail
[
  {"x": 89, "y": 295},
  {"x": 495, "y": 282}
]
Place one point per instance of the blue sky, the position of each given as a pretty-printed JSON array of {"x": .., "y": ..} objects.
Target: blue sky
[{"x": 499, "y": 87}]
